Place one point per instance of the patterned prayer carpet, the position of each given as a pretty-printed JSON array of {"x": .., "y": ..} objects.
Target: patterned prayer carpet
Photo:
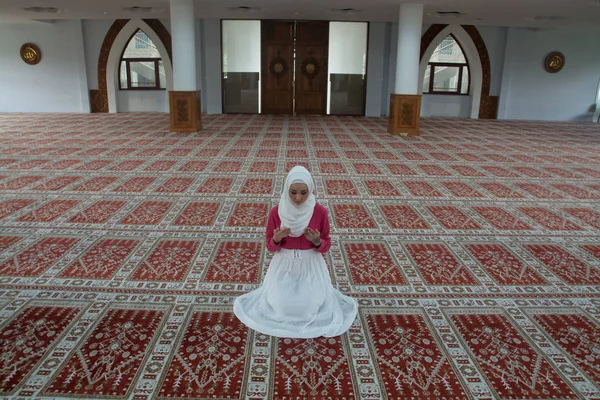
[{"x": 473, "y": 250}]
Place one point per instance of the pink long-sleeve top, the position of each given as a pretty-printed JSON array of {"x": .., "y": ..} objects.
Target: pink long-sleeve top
[{"x": 319, "y": 222}]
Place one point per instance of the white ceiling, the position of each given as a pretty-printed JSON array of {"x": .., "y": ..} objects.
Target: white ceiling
[{"x": 524, "y": 13}]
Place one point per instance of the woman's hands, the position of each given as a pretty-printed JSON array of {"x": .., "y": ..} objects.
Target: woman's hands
[
  {"x": 313, "y": 235},
  {"x": 280, "y": 233}
]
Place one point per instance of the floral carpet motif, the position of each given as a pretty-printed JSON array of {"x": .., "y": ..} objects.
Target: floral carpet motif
[{"x": 473, "y": 251}]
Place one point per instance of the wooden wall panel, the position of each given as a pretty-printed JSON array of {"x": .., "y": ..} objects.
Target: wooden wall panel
[
  {"x": 312, "y": 54},
  {"x": 277, "y": 67}
]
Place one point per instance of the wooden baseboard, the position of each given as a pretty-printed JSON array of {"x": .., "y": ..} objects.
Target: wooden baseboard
[
  {"x": 185, "y": 110},
  {"x": 405, "y": 114}
]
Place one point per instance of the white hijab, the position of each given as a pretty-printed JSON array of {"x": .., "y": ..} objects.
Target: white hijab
[{"x": 292, "y": 216}]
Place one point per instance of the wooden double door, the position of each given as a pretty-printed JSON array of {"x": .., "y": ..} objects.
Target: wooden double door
[{"x": 294, "y": 67}]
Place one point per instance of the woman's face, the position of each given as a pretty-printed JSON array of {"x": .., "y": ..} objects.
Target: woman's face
[{"x": 298, "y": 193}]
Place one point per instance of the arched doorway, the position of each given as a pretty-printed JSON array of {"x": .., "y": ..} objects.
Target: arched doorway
[
  {"x": 482, "y": 104},
  {"x": 119, "y": 34}
]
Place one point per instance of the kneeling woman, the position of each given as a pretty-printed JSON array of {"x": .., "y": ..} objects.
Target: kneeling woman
[{"x": 297, "y": 299}]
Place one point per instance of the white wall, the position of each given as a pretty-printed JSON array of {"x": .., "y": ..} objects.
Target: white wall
[
  {"x": 142, "y": 101},
  {"x": 529, "y": 92},
  {"x": 495, "y": 42},
  {"x": 439, "y": 105},
  {"x": 94, "y": 32},
  {"x": 70, "y": 51},
  {"x": 58, "y": 83}
]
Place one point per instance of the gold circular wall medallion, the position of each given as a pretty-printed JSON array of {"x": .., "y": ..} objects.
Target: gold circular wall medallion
[
  {"x": 31, "y": 54},
  {"x": 554, "y": 62}
]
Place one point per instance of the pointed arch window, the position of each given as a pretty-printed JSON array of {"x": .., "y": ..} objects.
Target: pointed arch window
[
  {"x": 141, "y": 67},
  {"x": 448, "y": 69}
]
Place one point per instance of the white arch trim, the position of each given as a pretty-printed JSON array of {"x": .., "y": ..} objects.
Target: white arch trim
[
  {"x": 114, "y": 57},
  {"x": 475, "y": 71}
]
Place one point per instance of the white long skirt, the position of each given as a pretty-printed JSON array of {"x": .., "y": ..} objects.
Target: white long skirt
[{"x": 297, "y": 299}]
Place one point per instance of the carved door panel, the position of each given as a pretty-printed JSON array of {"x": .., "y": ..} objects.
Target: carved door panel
[
  {"x": 277, "y": 67},
  {"x": 312, "y": 53}
]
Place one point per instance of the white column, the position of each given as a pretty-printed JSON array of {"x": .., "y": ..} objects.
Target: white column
[
  {"x": 183, "y": 38},
  {"x": 409, "y": 47}
]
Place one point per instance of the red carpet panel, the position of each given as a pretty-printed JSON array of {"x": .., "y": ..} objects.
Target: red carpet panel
[{"x": 473, "y": 250}]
